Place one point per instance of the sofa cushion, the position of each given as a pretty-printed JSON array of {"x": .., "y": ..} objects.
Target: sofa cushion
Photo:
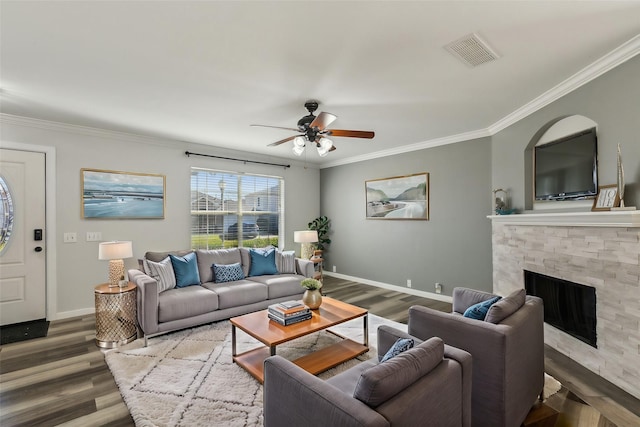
[
  {"x": 161, "y": 271},
  {"x": 401, "y": 345},
  {"x": 263, "y": 261},
  {"x": 280, "y": 285},
  {"x": 227, "y": 273},
  {"x": 186, "y": 270},
  {"x": 464, "y": 298},
  {"x": 378, "y": 384},
  {"x": 506, "y": 307},
  {"x": 241, "y": 292},
  {"x": 206, "y": 258},
  {"x": 181, "y": 303},
  {"x": 286, "y": 262},
  {"x": 479, "y": 311}
]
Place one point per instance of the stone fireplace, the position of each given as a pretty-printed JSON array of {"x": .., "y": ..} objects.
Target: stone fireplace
[{"x": 597, "y": 249}]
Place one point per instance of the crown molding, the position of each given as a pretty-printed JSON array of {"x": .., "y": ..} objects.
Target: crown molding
[
  {"x": 84, "y": 130},
  {"x": 618, "y": 56},
  {"x": 466, "y": 136}
]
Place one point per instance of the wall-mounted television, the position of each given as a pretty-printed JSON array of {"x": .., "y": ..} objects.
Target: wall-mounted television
[{"x": 567, "y": 168}]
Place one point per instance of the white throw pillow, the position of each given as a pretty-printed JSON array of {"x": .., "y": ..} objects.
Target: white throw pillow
[{"x": 161, "y": 271}]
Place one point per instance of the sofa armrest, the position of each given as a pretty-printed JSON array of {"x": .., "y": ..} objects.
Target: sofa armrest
[
  {"x": 147, "y": 301},
  {"x": 305, "y": 267},
  {"x": 309, "y": 401}
]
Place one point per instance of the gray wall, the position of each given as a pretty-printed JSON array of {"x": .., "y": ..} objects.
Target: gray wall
[
  {"x": 612, "y": 101},
  {"x": 78, "y": 268},
  {"x": 453, "y": 247}
]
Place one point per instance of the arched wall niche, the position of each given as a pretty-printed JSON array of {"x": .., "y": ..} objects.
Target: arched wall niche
[{"x": 551, "y": 131}]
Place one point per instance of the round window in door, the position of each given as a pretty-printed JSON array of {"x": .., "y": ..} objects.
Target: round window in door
[{"x": 6, "y": 214}]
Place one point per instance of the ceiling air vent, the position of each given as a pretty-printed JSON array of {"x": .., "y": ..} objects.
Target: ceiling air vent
[{"x": 472, "y": 50}]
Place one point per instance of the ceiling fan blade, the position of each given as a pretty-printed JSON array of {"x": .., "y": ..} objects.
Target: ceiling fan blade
[
  {"x": 323, "y": 120},
  {"x": 278, "y": 127},
  {"x": 282, "y": 141},
  {"x": 351, "y": 133}
]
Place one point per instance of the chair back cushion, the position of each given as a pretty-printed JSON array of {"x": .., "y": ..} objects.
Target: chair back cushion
[
  {"x": 381, "y": 382},
  {"x": 506, "y": 307}
]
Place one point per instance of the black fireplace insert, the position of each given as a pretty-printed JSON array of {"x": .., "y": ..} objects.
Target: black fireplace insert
[{"x": 569, "y": 306}]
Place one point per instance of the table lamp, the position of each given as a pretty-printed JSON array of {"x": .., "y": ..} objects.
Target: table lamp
[
  {"x": 306, "y": 237},
  {"x": 115, "y": 252}
]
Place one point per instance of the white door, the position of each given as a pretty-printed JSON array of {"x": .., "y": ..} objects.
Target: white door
[{"x": 22, "y": 255}]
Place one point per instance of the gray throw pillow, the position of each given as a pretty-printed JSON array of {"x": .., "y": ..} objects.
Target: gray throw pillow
[
  {"x": 286, "y": 262},
  {"x": 506, "y": 307},
  {"x": 381, "y": 382}
]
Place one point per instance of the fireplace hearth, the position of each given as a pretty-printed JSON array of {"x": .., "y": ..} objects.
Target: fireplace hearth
[{"x": 568, "y": 306}]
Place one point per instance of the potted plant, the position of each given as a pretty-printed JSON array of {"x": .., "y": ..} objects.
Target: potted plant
[
  {"x": 321, "y": 225},
  {"x": 312, "y": 297}
]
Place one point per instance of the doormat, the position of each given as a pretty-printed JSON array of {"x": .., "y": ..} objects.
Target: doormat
[{"x": 23, "y": 331}]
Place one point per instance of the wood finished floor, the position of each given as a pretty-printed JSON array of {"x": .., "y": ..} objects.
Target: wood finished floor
[{"x": 63, "y": 380}]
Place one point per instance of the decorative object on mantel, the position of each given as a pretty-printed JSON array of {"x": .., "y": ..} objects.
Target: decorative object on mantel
[
  {"x": 621, "y": 207},
  {"x": 607, "y": 198},
  {"x": 502, "y": 202}
]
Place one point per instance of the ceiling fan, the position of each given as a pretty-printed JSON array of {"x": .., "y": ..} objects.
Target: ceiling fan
[{"x": 314, "y": 129}]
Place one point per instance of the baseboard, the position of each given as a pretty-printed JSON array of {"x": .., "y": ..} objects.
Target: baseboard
[
  {"x": 74, "y": 313},
  {"x": 410, "y": 291}
]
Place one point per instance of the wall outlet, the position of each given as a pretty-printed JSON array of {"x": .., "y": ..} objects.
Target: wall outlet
[
  {"x": 70, "y": 237},
  {"x": 334, "y": 268},
  {"x": 408, "y": 283},
  {"x": 438, "y": 288},
  {"x": 94, "y": 236}
]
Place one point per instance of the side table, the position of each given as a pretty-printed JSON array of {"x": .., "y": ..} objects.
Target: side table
[{"x": 116, "y": 322}]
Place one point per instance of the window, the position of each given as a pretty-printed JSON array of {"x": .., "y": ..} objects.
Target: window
[{"x": 231, "y": 209}]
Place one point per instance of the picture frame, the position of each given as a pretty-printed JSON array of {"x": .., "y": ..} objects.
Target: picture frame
[
  {"x": 607, "y": 198},
  {"x": 107, "y": 194},
  {"x": 398, "y": 198}
]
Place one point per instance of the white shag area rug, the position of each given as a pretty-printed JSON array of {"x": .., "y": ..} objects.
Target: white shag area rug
[{"x": 188, "y": 378}]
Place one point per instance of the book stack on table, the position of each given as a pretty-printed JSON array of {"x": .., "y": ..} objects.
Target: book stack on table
[{"x": 289, "y": 312}]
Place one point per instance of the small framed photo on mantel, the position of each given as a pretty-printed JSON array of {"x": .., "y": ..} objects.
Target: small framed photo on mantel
[{"x": 607, "y": 198}]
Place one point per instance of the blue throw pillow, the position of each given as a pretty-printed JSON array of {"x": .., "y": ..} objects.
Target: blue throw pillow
[
  {"x": 479, "y": 311},
  {"x": 263, "y": 261},
  {"x": 227, "y": 272},
  {"x": 401, "y": 344},
  {"x": 186, "y": 270}
]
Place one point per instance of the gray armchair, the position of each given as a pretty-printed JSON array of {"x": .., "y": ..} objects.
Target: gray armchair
[
  {"x": 428, "y": 385},
  {"x": 508, "y": 355}
]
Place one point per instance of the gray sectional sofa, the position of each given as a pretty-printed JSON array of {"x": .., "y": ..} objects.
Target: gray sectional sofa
[{"x": 209, "y": 298}]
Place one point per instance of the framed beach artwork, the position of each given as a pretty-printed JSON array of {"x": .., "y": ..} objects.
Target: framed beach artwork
[
  {"x": 122, "y": 195},
  {"x": 400, "y": 197}
]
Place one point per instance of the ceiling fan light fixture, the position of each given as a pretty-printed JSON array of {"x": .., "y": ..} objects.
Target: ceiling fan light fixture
[
  {"x": 299, "y": 141},
  {"x": 324, "y": 145}
]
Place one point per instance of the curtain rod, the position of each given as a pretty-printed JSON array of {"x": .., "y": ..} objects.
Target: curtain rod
[{"x": 188, "y": 153}]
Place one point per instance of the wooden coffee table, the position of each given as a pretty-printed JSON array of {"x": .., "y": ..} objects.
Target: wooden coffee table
[{"x": 332, "y": 312}]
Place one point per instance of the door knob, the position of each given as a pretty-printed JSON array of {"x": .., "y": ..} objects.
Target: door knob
[{"x": 38, "y": 249}]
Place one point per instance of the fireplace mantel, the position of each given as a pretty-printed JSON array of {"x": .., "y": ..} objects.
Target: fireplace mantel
[{"x": 625, "y": 219}]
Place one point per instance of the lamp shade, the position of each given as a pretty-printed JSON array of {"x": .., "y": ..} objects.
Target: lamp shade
[
  {"x": 305, "y": 236},
  {"x": 115, "y": 250}
]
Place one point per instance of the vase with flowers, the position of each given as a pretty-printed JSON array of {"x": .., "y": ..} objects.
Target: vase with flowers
[{"x": 312, "y": 297}]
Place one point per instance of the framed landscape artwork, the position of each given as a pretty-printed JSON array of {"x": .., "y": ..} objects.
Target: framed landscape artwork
[
  {"x": 122, "y": 195},
  {"x": 400, "y": 197}
]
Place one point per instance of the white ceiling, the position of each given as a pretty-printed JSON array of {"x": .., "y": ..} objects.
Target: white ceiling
[{"x": 203, "y": 71}]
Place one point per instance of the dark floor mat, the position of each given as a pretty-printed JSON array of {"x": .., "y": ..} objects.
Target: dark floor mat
[{"x": 23, "y": 331}]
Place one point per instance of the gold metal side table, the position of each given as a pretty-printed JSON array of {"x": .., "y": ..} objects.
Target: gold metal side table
[{"x": 116, "y": 322}]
